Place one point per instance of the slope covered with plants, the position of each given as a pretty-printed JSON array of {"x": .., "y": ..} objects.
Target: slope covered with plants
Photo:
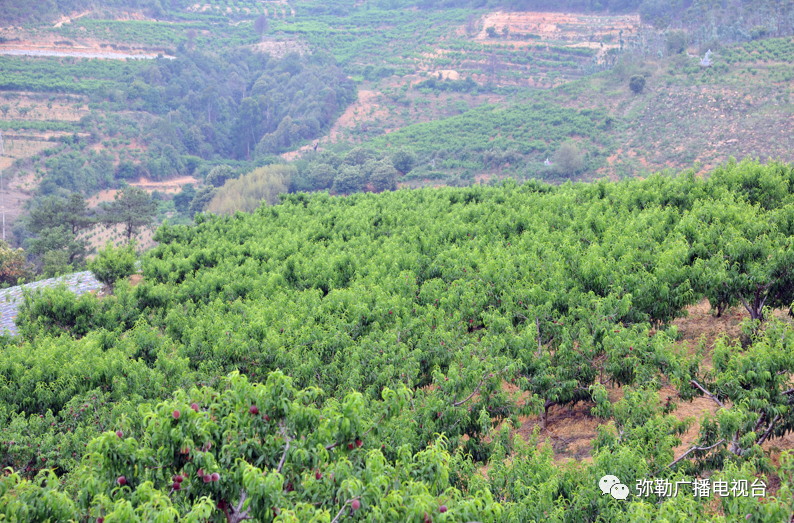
[{"x": 364, "y": 357}]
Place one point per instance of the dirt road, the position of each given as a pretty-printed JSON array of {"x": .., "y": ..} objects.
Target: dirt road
[{"x": 107, "y": 56}]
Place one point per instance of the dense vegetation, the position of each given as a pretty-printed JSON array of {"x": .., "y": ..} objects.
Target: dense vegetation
[{"x": 451, "y": 313}]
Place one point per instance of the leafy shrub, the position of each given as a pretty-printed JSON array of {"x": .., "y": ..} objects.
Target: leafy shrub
[
  {"x": 676, "y": 42},
  {"x": 218, "y": 175},
  {"x": 112, "y": 264},
  {"x": 637, "y": 83},
  {"x": 568, "y": 160}
]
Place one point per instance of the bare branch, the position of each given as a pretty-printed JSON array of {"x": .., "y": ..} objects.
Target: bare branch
[
  {"x": 342, "y": 510},
  {"x": 759, "y": 422},
  {"x": 768, "y": 430},
  {"x": 470, "y": 396},
  {"x": 283, "y": 456},
  {"x": 373, "y": 426},
  {"x": 477, "y": 389},
  {"x": 707, "y": 393},
  {"x": 744, "y": 302},
  {"x": 693, "y": 449},
  {"x": 237, "y": 514}
]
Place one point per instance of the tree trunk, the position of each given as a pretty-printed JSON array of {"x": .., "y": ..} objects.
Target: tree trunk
[{"x": 545, "y": 416}]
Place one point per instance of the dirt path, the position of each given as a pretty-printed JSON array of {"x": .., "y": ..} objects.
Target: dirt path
[
  {"x": 106, "y": 56},
  {"x": 67, "y": 20},
  {"x": 358, "y": 111}
]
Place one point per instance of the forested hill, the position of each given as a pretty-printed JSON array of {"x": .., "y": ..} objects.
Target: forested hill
[{"x": 19, "y": 11}]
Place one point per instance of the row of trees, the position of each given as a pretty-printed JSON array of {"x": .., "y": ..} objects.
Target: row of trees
[
  {"x": 425, "y": 303},
  {"x": 357, "y": 170},
  {"x": 54, "y": 227}
]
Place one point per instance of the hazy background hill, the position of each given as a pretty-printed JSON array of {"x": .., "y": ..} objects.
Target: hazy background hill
[{"x": 367, "y": 96}]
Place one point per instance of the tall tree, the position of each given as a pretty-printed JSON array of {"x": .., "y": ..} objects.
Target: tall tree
[
  {"x": 55, "y": 212},
  {"x": 260, "y": 26},
  {"x": 56, "y": 224},
  {"x": 348, "y": 180},
  {"x": 191, "y": 38},
  {"x": 133, "y": 208}
]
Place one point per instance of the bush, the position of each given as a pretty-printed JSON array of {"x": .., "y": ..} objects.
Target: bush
[
  {"x": 349, "y": 180},
  {"x": 637, "y": 83},
  {"x": 56, "y": 263},
  {"x": 676, "y": 42},
  {"x": 568, "y": 159},
  {"x": 113, "y": 264},
  {"x": 13, "y": 264},
  {"x": 201, "y": 199},
  {"x": 404, "y": 160},
  {"x": 218, "y": 175},
  {"x": 384, "y": 177},
  {"x": 321, "y": 175}
]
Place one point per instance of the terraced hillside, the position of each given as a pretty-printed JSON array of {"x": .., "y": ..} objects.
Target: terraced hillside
[{"x": 411, "y": 71}]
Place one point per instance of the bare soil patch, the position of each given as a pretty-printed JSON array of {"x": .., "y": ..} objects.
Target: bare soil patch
[
  {"x": 68, "y": 19},
  {"x": 557, "y": 26},
  {"x": 35, "y": 107},
  {"x": 570, "y": 431},
  {"x": 32, "y": 42},
  {"x": 282, "y": 47},
  {"x": 172, "y": 185}
]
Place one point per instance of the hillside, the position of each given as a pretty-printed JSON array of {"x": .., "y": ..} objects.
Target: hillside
[
  {"x": 400, "y": 261},
  {"x": 266, "y": 358}
]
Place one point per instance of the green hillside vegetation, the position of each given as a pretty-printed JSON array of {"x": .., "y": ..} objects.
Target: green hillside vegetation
[
  {"x": 350, "y": 356},
  {"x": 490, "y": 136},
  {"x": 248, "y": 192},
  {"x": 186, "y": 111}
]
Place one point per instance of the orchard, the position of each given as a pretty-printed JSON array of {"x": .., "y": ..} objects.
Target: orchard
[{"x": 372, "y": 357}]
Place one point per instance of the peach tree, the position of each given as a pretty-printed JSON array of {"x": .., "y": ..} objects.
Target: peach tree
[{"x": 270, "y": 452}]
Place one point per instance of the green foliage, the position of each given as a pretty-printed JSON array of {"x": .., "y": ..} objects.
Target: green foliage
[
  {"x": 532, "y": 130},
  {"x": 287, "y": 455},
  {"x": 568, "y": 160},
  {"x": 133, "y": 208},
  {"x": 321, "y": 175},
  {"x": 13, "y": 265},
  {"x": 183, "y": 198},
  {"x": 404, "y": 160},
  {"x": 261, "y": 186},
  {"x": 384, "y": 177},
  {"x": 398, "y": 319},
  {"x": 113, "y": 264},
  {"x": 218, "y": 175},
  {"x": 56, "y": 222},
  {"x": 676, "y": 42},
  {"x": 637, "y": 83},
  {"x": 350, "y": 179},
  {"x": 201, "y": 199},
  {"x": 56, "y": 263}
]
